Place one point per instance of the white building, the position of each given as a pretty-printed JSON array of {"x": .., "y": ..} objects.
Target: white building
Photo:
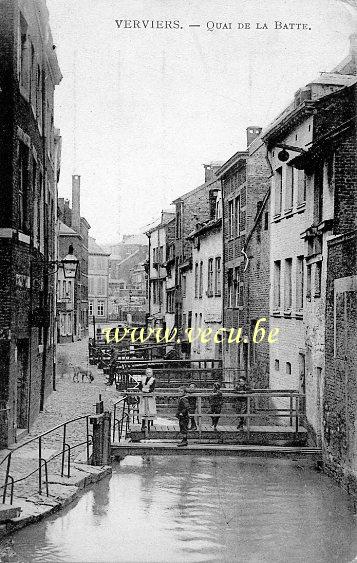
[
  {"x": 98, "y": 281},
  {"x": 301, "y": 210},
  {"x": 160, "y": 237},
  {"x": 202, "y": 286}
]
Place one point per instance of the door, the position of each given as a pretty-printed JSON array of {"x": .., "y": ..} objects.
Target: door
[{"x": 22, "y": 383}]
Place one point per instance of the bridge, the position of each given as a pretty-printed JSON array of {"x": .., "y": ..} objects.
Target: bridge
[{"x": 274, "y": 421}]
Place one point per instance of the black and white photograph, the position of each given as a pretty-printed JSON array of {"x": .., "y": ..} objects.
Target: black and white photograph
[{"x": 178, "y": 281}]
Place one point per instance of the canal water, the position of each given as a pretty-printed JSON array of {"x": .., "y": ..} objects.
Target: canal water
[{"x": 185, "y": 508}]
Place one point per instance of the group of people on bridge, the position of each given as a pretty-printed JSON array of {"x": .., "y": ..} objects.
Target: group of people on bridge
[{"x": 187, "y": 404}]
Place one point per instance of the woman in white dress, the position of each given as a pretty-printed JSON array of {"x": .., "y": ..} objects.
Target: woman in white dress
[{"x": 147, "y": 405}]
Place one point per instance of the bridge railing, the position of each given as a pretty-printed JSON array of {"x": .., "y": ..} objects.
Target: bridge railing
[
  {"x": 41, "y": 468},
  {"x": 290, "y": 402},
  {"x": 177, "y": 375}
]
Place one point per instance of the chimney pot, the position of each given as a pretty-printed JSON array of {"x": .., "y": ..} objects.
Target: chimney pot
[{"x": 252, "y": 133}]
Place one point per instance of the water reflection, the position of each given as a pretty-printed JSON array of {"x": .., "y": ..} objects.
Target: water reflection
[{"x": 184, "y": 508}]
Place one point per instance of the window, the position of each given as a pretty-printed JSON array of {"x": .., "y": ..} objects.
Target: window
[
  {"x": 236, "y": 287},
  {"x": 161, "y": 255},
  {"x": 318, "y": 193},
  {"x": 230, "y": 218},
  {"x": 99, "y": 286},
  {"x": 308, "y": 282},
  {"x": 24, "y": 54},
  {"x": 196, "y": 280},
  {"x": 278, "y": 190},
  {"x": 90, "y": 308},
  {"x": 266, "y": 221},
  {"x": 210, "y": 278},
  {"x": 290, "y": 187},
  {"x": 230, "y": 288},
  {"x": 23, "y": 187},
  {"x": 237, "y": 214},
  {"x": 69, "y": 290},
  {"x": 217, "y": 277},
  {"x": 183, "y": 285},
  {"x": 299, "y": 283},
  {"x": 170, "y": 301},
  {"x": 179, "y": 221},
  {"x": 277, "y": 365},
  {"x": 160, "y": 291},
  {"x": 302, "y": 181},
  {"x": 91, "y": 285},
  {"x": 288, "y": 368},
  {"x": 288, "y": 284},
  {"x": 277, "y": 272},
  {"x": 317, "y": 284},
  {"x": 100, "y": 308},
  {"x": 201, "y": 280},
  {"x": 154, "y": 292}
]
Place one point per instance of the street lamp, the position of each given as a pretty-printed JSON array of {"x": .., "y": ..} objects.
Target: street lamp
[{"x": 69, "y": 264}]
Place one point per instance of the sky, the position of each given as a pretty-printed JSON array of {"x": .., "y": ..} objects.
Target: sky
[{"x": 141, "y": 110}]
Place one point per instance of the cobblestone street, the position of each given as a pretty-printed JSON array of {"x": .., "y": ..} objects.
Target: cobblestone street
[{"x": 70, "y": 400}]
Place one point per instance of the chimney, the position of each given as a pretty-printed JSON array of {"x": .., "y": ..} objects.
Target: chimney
[
  {"x": 76, "y": 205},
  {"x": 210, "y": 171},
  {"x": 252, "y": 133}
]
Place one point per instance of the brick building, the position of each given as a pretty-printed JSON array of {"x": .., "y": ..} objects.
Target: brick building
[
  {"x": 197, "y": 205},
  {"x": 313, "y": 153},
  {"x": 245, "y": 193},
  {"x": 73, "y": 230},
  {"x": 29, "y": 161},
  {"x": 98, "y": 281},
  {"x": 160, "y": 302},
  {"x": 339, "y": 405},
  {"x": 127, "y": 280}
]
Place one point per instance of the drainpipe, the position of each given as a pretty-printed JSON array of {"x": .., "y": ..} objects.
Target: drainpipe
[{"x": 149, "y": 268}]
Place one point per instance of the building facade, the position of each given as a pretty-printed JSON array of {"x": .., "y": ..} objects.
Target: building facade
[
  {"x": 160, "y": 303},
  {"x": 127, "y": 278},
  {"x": 310, "y": 157},
  {"x": 202, "y": 287},
  {"x": 73, "y": 230},
  {"x": 29, "y": 159},
  {"x": 245, "y": 192},
  {"x": 198, "y": 205},
  {"x": 98, "y": 281}
]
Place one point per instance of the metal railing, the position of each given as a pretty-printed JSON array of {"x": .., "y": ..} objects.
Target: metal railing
[
  {"x": 291, "y": 408},
  {"x": 66, "y": 451}
]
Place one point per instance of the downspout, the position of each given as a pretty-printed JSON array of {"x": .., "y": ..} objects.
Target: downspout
[
  {"x": 149, "y": 284},
  {"x": 45, "y": 246}
]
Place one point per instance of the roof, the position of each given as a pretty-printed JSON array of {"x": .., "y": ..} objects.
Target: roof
[
  {"x": 64, "y": 230},
  {"x": 166, "y": 218},
  {"x": 306, "y": 107},
  {"x": 194, "y": 190},
  {"x": 336, "y": 79},
  {"x": 205, "y": 227},
  {"x": 94, "y": 248},
  {"x": 231, "y": 162}
]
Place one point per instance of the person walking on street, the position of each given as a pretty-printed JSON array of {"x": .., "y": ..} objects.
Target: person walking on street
[
  {"x": 241, "y": 402},
  {"x": 183, "y": 416},
  {"x": 192, "y": 405},
  {"x": 216, "y": 402}
]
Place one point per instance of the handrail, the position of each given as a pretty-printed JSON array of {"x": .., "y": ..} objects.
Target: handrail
[
  {"x": 293, "y": 412},
  {"x": 41, "y": 460}
]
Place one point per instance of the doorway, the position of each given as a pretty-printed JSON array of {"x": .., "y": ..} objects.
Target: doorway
[{"x": 22, "y": 383}]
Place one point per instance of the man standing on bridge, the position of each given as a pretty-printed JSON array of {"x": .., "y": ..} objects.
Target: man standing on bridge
[{"x": 183, "y": 416}]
